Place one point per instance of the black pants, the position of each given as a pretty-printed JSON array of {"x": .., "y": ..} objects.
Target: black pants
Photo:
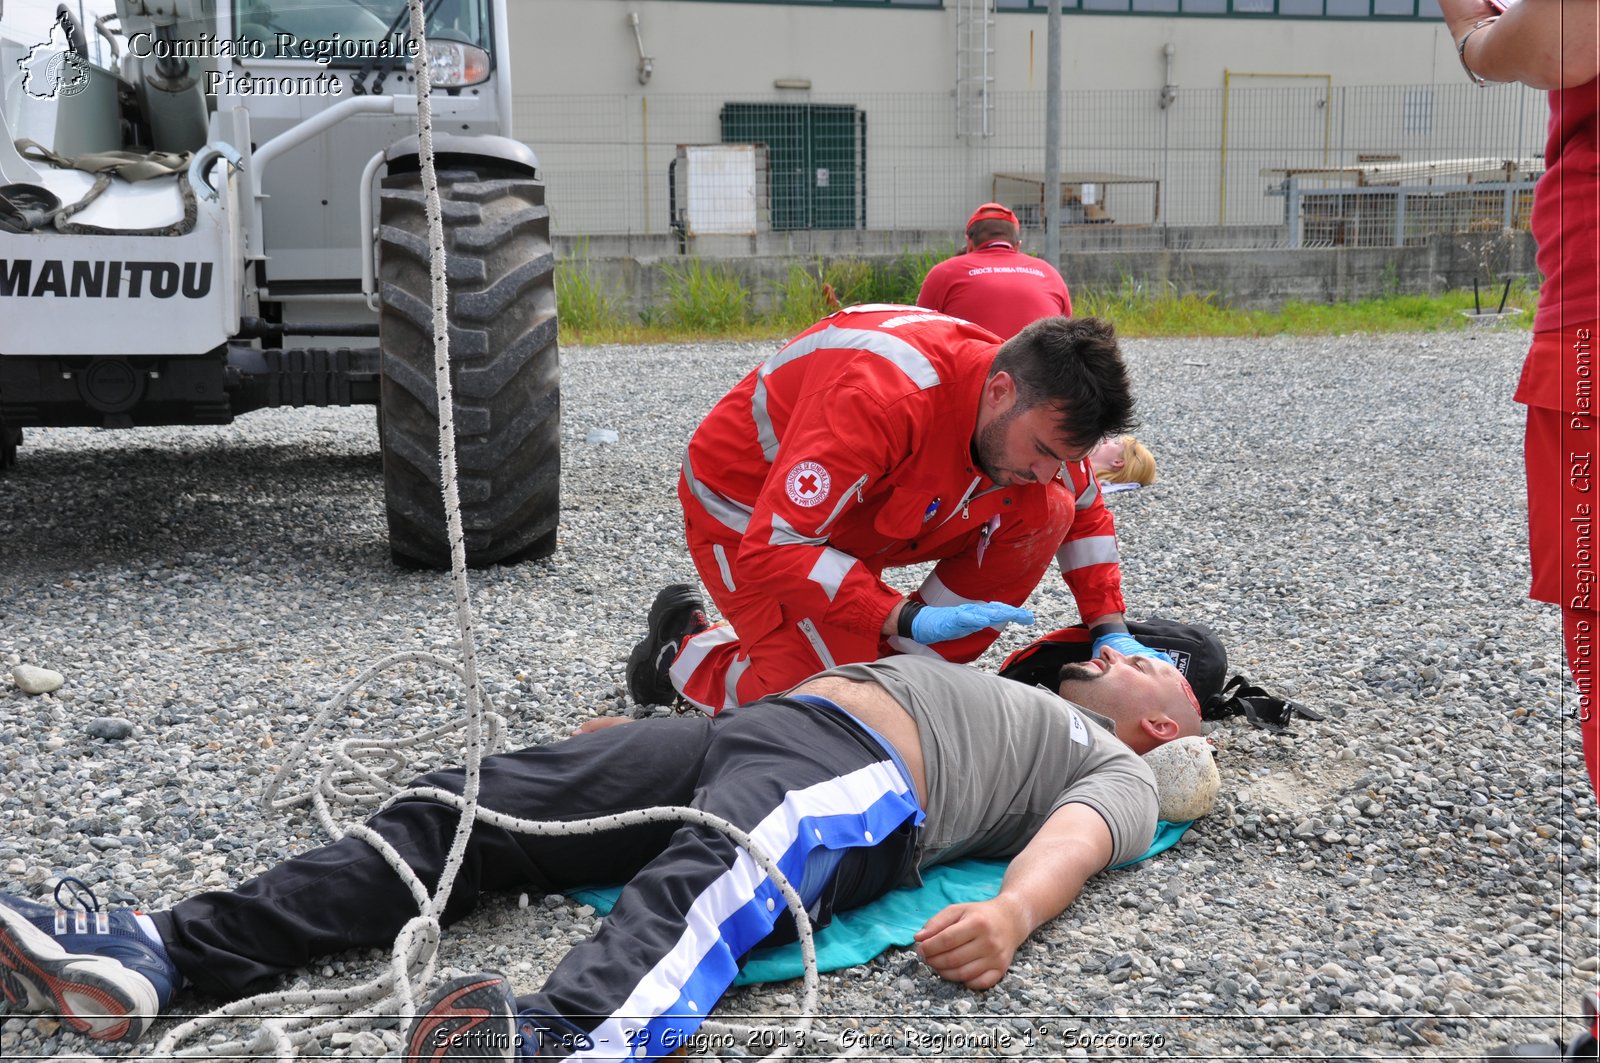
[{"x": 794, "y": 776}]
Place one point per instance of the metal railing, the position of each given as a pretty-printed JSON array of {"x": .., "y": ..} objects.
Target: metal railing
[{"x": 1399, "y": 215}]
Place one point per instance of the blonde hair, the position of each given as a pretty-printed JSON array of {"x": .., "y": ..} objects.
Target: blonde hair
[{"x": 1138, "y": 464}]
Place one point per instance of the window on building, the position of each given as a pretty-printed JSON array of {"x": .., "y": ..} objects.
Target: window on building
[{"x": 1417, "y": 111}]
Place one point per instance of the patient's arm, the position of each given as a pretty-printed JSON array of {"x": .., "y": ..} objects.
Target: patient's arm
[{"x": 974, "y": 943}]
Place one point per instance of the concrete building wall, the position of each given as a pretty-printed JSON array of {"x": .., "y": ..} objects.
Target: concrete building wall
[
  {"x": 1251, "y": 95},
  {"x": 1298, "y": 92},
  {"x": 588, "y": 47}
]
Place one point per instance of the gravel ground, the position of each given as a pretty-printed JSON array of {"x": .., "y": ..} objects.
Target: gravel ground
[{"x": 1413, "y": 878}]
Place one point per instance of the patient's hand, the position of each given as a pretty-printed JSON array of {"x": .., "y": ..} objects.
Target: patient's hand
[
  {"x": 600, "y": 723},
  {"x": 973, "y": 943}
]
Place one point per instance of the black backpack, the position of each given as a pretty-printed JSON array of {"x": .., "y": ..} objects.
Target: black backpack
[{"x": 1194, "y": 648}]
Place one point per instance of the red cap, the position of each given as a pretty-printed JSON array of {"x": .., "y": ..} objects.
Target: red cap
[{"x": 992, "y": 210}]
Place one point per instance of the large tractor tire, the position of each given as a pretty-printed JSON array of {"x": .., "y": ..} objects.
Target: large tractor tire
[{"x": 504, "y": 369}]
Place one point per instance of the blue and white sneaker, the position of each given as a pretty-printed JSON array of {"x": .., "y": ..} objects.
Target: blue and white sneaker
[{"x": 94, "y": 969}]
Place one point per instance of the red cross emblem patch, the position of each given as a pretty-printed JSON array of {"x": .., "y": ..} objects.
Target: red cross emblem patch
[{"x": 808, "y": 483}]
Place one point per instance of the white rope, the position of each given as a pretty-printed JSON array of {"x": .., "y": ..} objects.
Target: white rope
[{"x": 361, "y": 773}]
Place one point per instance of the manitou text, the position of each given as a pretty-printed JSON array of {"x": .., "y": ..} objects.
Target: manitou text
[{"x": 84, "y": 279}]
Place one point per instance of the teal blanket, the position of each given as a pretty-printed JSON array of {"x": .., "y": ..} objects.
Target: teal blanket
[{"x": 860, "y": 934}]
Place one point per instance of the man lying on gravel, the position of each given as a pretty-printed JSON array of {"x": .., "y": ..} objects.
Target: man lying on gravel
[{"x": 855, "y": 781}]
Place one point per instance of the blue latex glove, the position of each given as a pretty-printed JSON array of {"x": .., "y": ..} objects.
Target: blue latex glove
[
  {"x": 1126, "y": 645},
  {"x": 940, "y": 623}
]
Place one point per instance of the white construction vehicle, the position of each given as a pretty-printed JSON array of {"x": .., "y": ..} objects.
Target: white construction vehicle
[{"x": 227, "y": 215}]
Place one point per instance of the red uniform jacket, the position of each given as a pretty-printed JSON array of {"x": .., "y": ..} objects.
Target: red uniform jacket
[
  {"x": 997, "y": 287},
  {"x": 848, "y": 452}
]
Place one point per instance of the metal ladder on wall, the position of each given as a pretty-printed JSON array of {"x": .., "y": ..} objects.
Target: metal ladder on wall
[{"x": 974, "y": 80}]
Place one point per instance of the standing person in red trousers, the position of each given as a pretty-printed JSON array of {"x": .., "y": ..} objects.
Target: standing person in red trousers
[
  {"x": 1551, "y": 44},
  {"x": 1555, "y": 45}
]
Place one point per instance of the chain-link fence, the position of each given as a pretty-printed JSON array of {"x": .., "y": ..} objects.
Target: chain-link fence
[{"x": 1265, "y": 161}]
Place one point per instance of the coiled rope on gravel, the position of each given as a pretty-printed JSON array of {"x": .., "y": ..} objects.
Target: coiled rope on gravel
[{"x": 298, "y": 1017}]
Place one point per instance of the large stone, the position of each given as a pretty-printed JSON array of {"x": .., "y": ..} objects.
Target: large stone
[
  {"x": 33, "y": 680},
  {"x": 109, "y": 727},
  {"x": 1187, "y": 780}
]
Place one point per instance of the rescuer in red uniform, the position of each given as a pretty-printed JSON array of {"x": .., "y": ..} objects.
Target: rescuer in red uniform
[
  {"x": 881, "y": 437},
  {"x": 994, "y": 284}
]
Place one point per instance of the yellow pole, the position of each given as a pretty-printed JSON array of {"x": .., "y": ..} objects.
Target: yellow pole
[
  {"x": 1327, "y": 124},
  {"x": 1222, "y": 182},
  {"x": 644, "y": 116},
  {"x": 1327, "y": 119}
]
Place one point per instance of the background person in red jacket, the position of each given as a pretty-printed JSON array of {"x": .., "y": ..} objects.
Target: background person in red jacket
[
  {"x": 881, "y": 437},
  {"x": 994, "y": 284}
]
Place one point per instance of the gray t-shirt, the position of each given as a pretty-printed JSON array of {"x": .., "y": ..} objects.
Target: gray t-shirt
[{"x": 1000, "y": 757}]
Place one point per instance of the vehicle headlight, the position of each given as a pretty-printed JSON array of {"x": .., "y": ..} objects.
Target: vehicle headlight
[{"x": 452, "y": 65}]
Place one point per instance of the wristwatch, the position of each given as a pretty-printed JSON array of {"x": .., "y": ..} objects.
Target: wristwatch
[{"x": 1461, "y": 51}]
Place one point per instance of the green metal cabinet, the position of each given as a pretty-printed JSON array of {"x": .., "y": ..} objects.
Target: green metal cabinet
[{"x": 816, "y": 156}]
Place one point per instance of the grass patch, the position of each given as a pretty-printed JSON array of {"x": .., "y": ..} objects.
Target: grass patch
[
  {"x": 898, "y": 280},
  {"x": 800, "y": 298},
  {"x": 585, "y": 311},
  {"x": 709, "y": 301},
  {"x": 704, "y": 299},
  {"x": 1139, "y": 313},
  {"x": 1405, "y": 313}
]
